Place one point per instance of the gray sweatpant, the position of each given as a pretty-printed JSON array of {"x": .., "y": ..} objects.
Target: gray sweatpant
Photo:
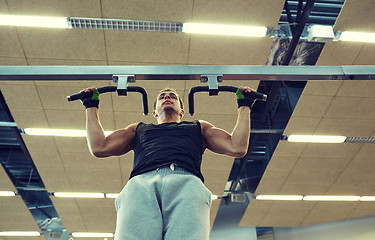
[{"x": 166, "y": 204}]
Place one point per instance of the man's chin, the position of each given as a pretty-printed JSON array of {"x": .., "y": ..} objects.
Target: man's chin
[{"x": 168, "y": 110}]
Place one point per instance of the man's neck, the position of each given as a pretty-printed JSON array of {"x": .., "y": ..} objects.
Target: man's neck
[
  {"x": 167, "y": 117},
  {"x": 168, "y": 120}
]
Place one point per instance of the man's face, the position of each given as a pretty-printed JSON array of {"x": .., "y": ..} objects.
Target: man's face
[{"x": 167, "y": 101}]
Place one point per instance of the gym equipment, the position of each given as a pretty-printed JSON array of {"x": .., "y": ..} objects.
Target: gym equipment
[
  {"x": 213, "y": 89},
  {"x": 122, "y": 89}
]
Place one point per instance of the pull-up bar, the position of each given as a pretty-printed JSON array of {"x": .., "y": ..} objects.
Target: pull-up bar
[{"x": 175, "y": 72}]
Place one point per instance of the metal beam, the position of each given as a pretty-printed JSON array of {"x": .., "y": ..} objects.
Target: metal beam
[
  {"x": 233, "y": 72},
  {"x": 298, "y": 32}
]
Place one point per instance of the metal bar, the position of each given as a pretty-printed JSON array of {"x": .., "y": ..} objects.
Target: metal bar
[
  {"x": 8, "y": 124},
  {"x": 290, "y": 18},
  {"x": 297, "y": 34},
  {"x": 299, "y": 10},
  {"x": 237, "y": 72}
]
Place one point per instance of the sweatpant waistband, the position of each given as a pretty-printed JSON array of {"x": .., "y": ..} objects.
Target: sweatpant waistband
[{"x": 173, "y": 167}]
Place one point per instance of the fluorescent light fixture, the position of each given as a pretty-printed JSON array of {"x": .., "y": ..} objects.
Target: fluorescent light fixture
[
  {"x": 78, "y": 195},
  {"x": 7, "y": 193},
  {"x": 279, "y": 197},
  {"x": 219, "y": 29},
  {"x": 357, "y": 37},
  {"x": 20, "y": 234},
  {"x": 331, "y": 198},
  {"x": 58, "y": 132},
  {"x": 316, "y": 139},
  {"x": 367, "y": 198},
  {"x": 33, "y": 21},
  {"x": 111, "y": 195},
  {"x": 91, "y": 234}
]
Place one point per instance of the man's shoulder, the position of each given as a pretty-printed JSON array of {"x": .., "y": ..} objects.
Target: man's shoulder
[
  {"x": 205, "y": 124},
  {"x": 133, "y": 126}
]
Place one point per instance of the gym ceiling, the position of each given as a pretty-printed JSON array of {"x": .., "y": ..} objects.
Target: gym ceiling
[{"x": 64, "y": 164}]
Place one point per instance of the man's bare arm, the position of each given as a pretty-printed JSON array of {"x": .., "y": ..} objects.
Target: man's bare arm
[
  {"x": 117, "y": 143},
  {"x": 222, "y": 142}
]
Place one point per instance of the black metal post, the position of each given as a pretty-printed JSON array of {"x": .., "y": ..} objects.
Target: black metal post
[{"x": 301, "y": 25}]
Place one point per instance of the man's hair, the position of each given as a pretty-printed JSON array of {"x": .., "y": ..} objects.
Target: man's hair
[{"x": 169, "y": 90}]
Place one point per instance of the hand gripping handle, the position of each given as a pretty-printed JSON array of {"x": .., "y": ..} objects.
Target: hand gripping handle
[
  {"x": 141, "y": 90},
  {"x": 232, "y": 89}
]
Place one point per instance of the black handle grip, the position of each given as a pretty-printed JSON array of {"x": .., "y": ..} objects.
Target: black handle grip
[
  {"x": 232, "y": 89},
  {"x": 141, "y": 90}
]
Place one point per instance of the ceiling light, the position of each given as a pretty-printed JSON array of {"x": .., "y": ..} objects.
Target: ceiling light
[
  {"x": 367, "y": 198},
  {"x": 279, "y": 197},
  {"x": 20, "y": 234},
  {"x": 58, "y": 132},
  {"x": 111, "y": 195},
  {"x": 78, "y": 195},
  {"x": 123, "y": 24},
  {"x": 89, "y": 234},
  {"x": 33, "y": 21},
  {"x": 316, "y": 139},
  {"x": 320, "y": 33},
  {"x": 331, "y": 198},
  {"x": 219, "y": 29},
  {"x": 7, "y": 193},
  {"x": 357, "y": 37}
]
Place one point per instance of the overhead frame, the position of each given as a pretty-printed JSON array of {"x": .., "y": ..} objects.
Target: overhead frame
[{"x": 187, "y": 72}]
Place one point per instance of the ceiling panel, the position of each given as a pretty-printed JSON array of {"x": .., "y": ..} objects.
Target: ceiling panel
[
  {"x": 312, "y": 106},
  {"x": 362, "y": 209},
  {"x": 329, "y": 212},
  {"x": 15, "y": 216},
  {"x": 95, "y": 179},
  {"x": 4, "y": 7},
  {"x": 356, "y": 16},
  {"x": 69, "y": 213},
  {"x": 366, "y": 55},
  {"x": 332, "y": 54},
  {"x": 30, "y": 118},
  {"x": 345, "y": 127},
  {"x": 239, "y": 12},
  {"x": 29, "y": 99},
  {"x": 5, "y": 183},
  {"x": 76, "y": 44},
  {"x": 353, "y": 107},
  {"x": 290, "y": 213},
  {"x": 10, "y": 45},
  {"x": 167, "y": 10},
  {"x": 361, "y": 88},
  {"x": 147, "y": 47},
  {"x": 11, "y": 61},
  {"x": 302, "y": 125},
  {"x": 59, "y": 62},
  {"x": 322, "y": 88},
  {"x": 210, "y": 49},
  {"x": 68, "y": 8}
]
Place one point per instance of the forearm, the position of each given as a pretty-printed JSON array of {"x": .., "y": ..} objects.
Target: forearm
[
  {"x": 95, "y": 133},
  {"x": 241, "y": 132}
]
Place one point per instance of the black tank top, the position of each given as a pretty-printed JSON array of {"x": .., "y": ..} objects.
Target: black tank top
[{"x": 159, "y": 145}]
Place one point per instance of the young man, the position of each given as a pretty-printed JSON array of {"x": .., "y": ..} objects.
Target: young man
[{"x": 165, "y": 198}]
